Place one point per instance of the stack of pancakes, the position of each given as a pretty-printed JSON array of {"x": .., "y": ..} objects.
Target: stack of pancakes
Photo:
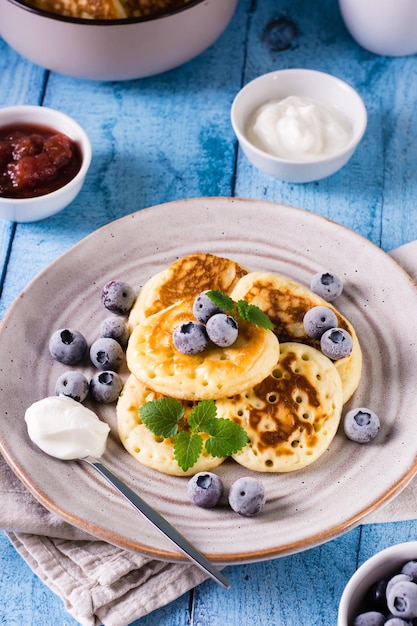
[{"x": 277, "y": 385}]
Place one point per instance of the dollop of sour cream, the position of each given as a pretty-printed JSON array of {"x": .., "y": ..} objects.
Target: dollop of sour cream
[
  {"x": 66, "y": 429},
  {"x": 297, "y": 128}
]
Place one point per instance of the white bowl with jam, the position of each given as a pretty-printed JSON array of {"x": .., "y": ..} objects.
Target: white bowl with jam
[
  {"x": 44, "y": 159},
  {"x": 298, "y": 125}
]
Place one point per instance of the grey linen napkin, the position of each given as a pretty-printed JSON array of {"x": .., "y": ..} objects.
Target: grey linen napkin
[
  {"x": 99, "y": 583},
  {"x": 102, "y": 584}
]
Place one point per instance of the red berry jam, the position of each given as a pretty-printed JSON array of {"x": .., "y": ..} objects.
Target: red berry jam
[{"x": 35, "y": 160}]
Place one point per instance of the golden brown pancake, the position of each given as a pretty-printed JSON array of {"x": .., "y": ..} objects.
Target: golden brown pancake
[
  {"x": 217, "y": 372},
  {"x": 286, "y": 302},
  {"x": 184, "y": 279},
  {"x": 292, "y": 416},
  {"x": 142, "y": 444}
]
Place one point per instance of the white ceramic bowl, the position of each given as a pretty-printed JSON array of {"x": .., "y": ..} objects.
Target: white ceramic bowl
[
  {"x": 113, "y": 49},
  {"x": 383, "y": 564},
  {"x": 384, "y": 27},
  {"x": 40, "y": 207},
  {"x": 321, "y": 87}
]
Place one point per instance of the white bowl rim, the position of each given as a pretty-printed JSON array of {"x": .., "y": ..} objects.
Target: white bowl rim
[
  {"x": 85, "y": 147},
  {"x": 369, "y": 566},
  {"x": 26, "y": 6},
  {"x": 349, "y": 147}
]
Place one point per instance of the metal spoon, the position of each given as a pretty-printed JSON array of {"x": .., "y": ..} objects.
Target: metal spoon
[{"x": 161, "y": 523}]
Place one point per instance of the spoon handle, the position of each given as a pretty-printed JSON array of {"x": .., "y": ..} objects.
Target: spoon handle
[{"x": 161, "y": 523}]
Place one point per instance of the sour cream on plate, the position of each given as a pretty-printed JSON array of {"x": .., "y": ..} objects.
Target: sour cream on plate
[
  {"x": 297, "y": 128},
  {"x": 66, "y": 429}
]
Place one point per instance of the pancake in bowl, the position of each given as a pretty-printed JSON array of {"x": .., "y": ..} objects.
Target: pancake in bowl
[
  {"x": 286, "y": 302},
  {"x": 214, "y": 373},
  {"x": 142, "y": 444},
  {"x": 292, "y": 416},
  {"x": 183, "y": 279}
]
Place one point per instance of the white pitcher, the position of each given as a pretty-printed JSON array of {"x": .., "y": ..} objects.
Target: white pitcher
[{"x": 386, "y": 27}]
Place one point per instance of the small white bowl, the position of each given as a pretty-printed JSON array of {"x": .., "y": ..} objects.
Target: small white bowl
[
  {"x": 324, "y": 88},
  {"x": 383, "y": 564},
  {"x": 40, "y": 207}
]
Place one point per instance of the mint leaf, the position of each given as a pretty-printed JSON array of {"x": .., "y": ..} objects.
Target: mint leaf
[
  {"x": 161, "y": 416},
  {"x": 202, "y": 416},
  {"x": 187, "y": 449},
  {"x": 226, "y": 438},
  {"x": 255, "y": 315},
  {"x": 221, "y": 300}
]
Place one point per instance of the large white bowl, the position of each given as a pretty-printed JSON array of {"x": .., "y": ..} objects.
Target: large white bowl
[
  {"x": 113, "y": 49},
  {"x": 318, "y": 86},
  {"x": 40, "y": 207},
  {"x": 381, "y": 565}
]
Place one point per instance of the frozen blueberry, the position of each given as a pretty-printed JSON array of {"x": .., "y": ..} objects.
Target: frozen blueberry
[
  {"x": 118, "y": 297},
  {"x": 205, "y": 490},
  {"x": 370, "y": 618},
  {"x": 105, "y": 387},
  {"x": 190, "y": 338},
  {"x": 319, "y": 319},
  {"x": 204, "y": 308},
  {"x": 106, "y": 354},
  {"x": 397, "y": 621},
  {"x": 73, "y": 385},
  {"x": 361, "y": 425},
  {"x": 410, "y": 569},
  {"x": 336, "y": 343},
  {"x": 67, "y": 346},
  {"x": 115, "y": 328},
  {"x": 328, "y": 286},
  {"x": 402, "y": 599},
  {"x": 394, "y": 580},
  {"x": 247, "y": 496},
  {"x": 222, "y": 329}
]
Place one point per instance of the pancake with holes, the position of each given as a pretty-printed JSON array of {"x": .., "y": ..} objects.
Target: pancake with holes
[
  {"x": 286, "y": 302},
  {"x": 142, "y": 444},
  {"x": 214, "y": 373},
  {"x": 292, "y": 416},
  {"x": 185, "y": 278}
]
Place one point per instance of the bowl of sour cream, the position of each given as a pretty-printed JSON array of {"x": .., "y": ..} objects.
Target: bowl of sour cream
[{"x": 298, "y": 125}]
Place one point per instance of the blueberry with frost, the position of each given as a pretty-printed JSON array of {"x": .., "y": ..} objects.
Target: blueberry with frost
[
  {"x": 327, "y": 285},
  {"x": 222, "y": 330},
  {"x": 73, "y": 385},
  {"x": 410, "y": 568},
  {"x": 319, "y": 319},
  {"x": 105, "y": 387},
  {"x": 247, "y": 496},
  {"x": 115, "y": 328},
  {"x": 205, "y": 490},
  {"x": 369, "y": 618},
  {"x": 402, "y": 599},
  {"x": 336, "y": 343},
  {"x": 190, "y": 338},
  {"x": 106, "y": 354},
  {"x": 361, "y": 425},
  {"x": 67, "y": 346},
  {"x": 204, "y": 307},
  {"x": 118, "y": 296}
]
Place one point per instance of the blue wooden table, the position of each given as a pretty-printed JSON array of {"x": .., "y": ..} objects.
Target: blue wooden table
[{"x": 169, "y": 137}]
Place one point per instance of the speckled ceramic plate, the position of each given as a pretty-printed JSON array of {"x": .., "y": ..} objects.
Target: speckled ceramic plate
[{"x": 305, "y": 508}]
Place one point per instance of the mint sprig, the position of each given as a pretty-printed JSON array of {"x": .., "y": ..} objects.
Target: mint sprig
[
  {"x": 243, "y": 309},
  {"x": 222, "y": 438}
]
